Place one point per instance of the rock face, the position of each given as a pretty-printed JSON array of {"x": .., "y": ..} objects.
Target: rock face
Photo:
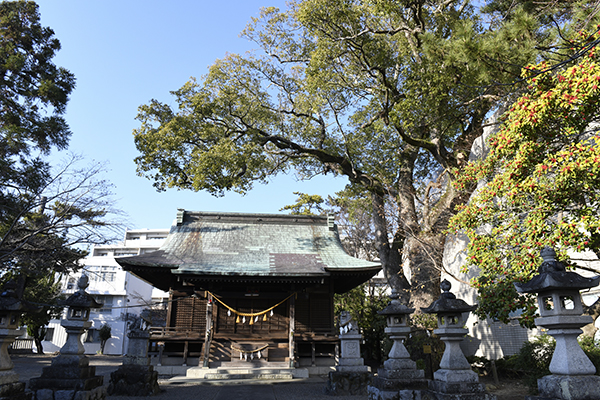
[{"x": 134, "y": 380}]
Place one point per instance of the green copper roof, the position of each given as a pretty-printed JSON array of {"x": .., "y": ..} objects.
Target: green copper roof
[{"x": 220, "y": 244}]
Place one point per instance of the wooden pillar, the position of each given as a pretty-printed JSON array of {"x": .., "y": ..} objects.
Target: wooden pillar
[
  {"x": 291, "y": 342},
  {"x": 186, "y": 349},
  {"x": 161, "y": 348},
  {"x": 209, "y": 328}
]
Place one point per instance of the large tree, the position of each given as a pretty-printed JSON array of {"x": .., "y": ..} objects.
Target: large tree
[
  {"x": 45, "y": 210},
  {"x": 389, "y": 95},
  {"x": 540, "y": 183},
  {"x": 33, "y": 96}
]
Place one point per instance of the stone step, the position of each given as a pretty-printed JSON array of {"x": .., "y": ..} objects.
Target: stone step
[
  {"x": 247, "y": 372},
  {"x": 259, "y": 376},
  {"x": 252, "y": 371}
]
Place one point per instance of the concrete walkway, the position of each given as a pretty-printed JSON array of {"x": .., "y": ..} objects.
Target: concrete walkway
[{"x": 180, "y": 388}]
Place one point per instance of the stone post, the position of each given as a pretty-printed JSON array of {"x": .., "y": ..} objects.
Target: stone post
[
  {"x": 454, "y": 379},
  {"x": 70, "y": 375},
  {"x": 399, "y": 378},
  {"x": 561, "y": 309},
  {"x": 350, "y": 338},
  {"x": 136, "y": 377},
  {"x": 351, "y": 376},
  {"x": 10, "y": 309}
]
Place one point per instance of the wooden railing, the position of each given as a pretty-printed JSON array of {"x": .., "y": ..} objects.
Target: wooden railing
[
  {"x": 21, "y": 346},
  {"x": 163, "y": 332}
]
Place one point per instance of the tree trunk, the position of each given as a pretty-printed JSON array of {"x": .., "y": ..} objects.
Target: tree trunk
[
  {"x": 38, "y": 345},
  {"x": 389, "y": 253},
  {"x": 425, "y": 253}
]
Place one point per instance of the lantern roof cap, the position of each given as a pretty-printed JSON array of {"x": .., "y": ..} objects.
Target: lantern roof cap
[
  {"x": 448, "y": 303},
  {"x": 81, "y": 298},
  {"x": 395, "y": 308},
  {"x": 10, "y": 301},
  {"x": 553, "y": 275}
]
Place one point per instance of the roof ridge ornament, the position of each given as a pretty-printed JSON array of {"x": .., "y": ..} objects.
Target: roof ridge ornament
[
  {"x": 180, "y": 214},
  {"x": 331, "y": 221}
]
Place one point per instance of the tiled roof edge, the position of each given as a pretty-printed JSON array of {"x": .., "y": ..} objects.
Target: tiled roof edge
[{"x": 185, "y": 215}]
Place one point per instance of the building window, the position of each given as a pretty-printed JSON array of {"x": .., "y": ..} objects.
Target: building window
[
  {"x": 102, "y": 276},
  {"x": 125, "y": 253},
  {"x": 49, "y": 334},
  {"x": 91, "y": 336},
  {"x": 71, "y": 283},
  {"x": 107, "y": 303}
]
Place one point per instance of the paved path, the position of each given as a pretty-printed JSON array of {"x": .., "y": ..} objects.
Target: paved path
[{"x": 30, "y": 366}]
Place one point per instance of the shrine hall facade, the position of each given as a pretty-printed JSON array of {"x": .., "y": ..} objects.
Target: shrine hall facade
[{"x": 249, "y": 287}]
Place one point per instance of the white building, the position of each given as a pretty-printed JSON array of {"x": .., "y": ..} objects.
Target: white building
[{"x": 122, "y": 294}]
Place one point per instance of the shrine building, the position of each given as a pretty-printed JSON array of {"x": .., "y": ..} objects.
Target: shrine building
[{"x": 249, "y": 288}]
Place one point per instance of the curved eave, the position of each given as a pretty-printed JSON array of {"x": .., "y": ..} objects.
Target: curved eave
[{"x": 345, "y": 279}]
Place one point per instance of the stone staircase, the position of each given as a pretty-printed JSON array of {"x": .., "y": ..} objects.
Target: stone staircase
[{"x": 233, "y": 370}]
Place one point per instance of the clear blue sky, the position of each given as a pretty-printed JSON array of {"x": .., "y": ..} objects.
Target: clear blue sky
[{"x": 124, "y": 53}]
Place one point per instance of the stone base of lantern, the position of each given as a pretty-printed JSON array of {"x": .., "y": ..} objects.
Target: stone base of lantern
[
  {"x": 439, "y": 390},
  {"x": 375, "y": 393},
  {"x": 134, "y": 380},
  {"x": 352, "y": 365},
  {"x": 459, "y": 384},
  {"x": 348, "y": 383},
  {"x": 14, "y": 391},
  {"x": 64, "y": 381},
  {"x": 565, "y": 387},
  {"x": 98, "y": 393},
  {"x": 402, "y": 383}
]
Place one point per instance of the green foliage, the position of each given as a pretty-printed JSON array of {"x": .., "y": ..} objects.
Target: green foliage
[
  {"x": 591, "y": 348},
  {"x": 416, "y": 343},
  {"x": 542, "y": 179},
  {"x": 533, "y": 360},
  {"x": 34, "y": 97},
  {"x": 305, "y": 204},
  {"x": 44, "y": 210},
  {"x": 363, "y": 302},
  {"x": 42, "y": 290}
]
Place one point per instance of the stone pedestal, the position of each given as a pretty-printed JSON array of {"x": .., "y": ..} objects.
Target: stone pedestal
[
  {"x": 136, "y": 377},
  {"x": 70, "y": 377},
  {"x": 399, "y": 379},
  {"x": 348, "y": 383},
  {"x": 10, "y": 387},
  {"x": 565, "y": 387},
  {"x": 351, "y": 375},
  {"x": 350, "y": 339}
]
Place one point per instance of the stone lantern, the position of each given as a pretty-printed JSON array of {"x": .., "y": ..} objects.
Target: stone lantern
[
  {"x": 399, "y": 375},
  {"x": 561, "y": 309},
  {"x": 455, "y": 377},
  {"x": 78, "y": 305},
  {"x": 11, "y": 308},
  {"x": 70, "y": 371}
]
